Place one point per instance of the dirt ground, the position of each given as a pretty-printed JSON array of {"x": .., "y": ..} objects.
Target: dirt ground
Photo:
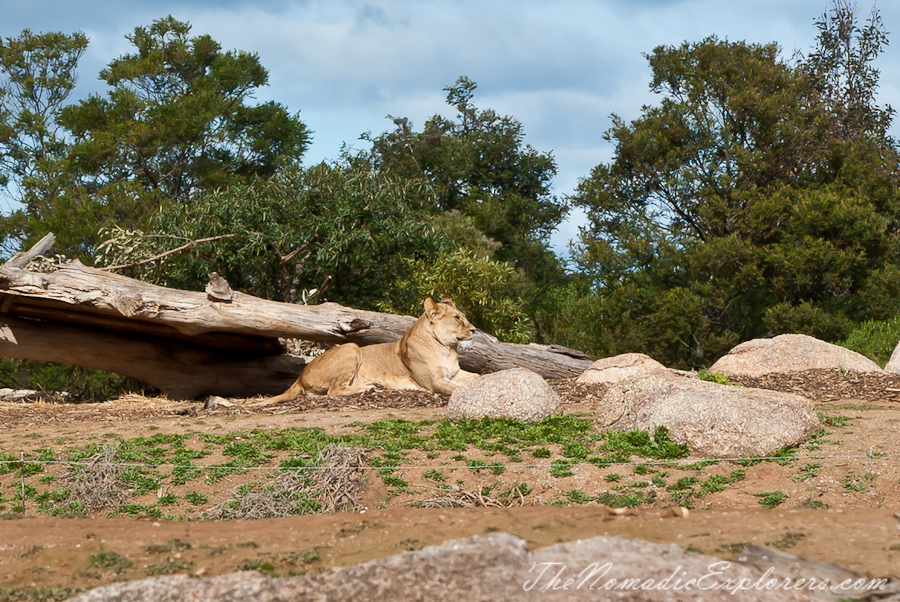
[{"x": 842, "y": 504}]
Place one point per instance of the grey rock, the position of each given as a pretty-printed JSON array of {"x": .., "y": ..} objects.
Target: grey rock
[
  {"x": 789, "y": 353},
  {"x": 484, "y": 568},
  {"x": 21, "y": 395},
  {"x": 621, "y": 367},
  {"x": 517, "y": 393},
  {"x": 712, "y": 419},
  {"x": 893, "y": 365}
]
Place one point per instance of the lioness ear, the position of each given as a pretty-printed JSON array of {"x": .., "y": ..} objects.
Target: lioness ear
[
  {"x": 448, "y": 302},
  {"x": 431, "y": 307}
]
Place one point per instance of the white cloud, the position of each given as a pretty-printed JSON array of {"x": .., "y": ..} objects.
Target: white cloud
[{"x": 559, "y": 67}]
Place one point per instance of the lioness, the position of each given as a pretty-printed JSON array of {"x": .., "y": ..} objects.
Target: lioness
[{"x": 424, "y": 359}]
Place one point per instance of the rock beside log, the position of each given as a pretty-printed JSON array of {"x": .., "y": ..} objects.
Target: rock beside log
[{"x": 621, "y": 367}]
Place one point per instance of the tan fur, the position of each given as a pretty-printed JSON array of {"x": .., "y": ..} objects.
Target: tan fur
[{"x": 425, "y": 359}]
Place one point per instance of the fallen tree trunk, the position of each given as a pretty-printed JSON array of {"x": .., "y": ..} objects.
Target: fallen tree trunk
[
  {"x": 181, "y": 370},
  {"x": 116, "y": 309}
]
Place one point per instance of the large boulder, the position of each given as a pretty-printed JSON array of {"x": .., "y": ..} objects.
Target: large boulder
[
  {"x": 516, "y": 393},
  {"x": 789, "y": 353},
  {"x": 893, "y": 365},
  {"x": 485, "y": 568},
  {"x": 621, "y": 367},
  {"x": 713, "y": 420}
]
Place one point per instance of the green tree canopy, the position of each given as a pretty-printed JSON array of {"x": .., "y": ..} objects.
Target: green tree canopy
[
  {"x": 338, "y": 227},
  {"x": 480, "y": 167},
  {"x": 745, "y": 203},
  {"x": 177, "y": 122},
  {"x": 37, "y": 74}
]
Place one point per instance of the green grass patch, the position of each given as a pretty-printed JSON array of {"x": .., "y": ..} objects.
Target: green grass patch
[
  {"x": 771, "y": 499},
  {"x": 716, "y": 377},
  {"x": 628, "y": 500}
]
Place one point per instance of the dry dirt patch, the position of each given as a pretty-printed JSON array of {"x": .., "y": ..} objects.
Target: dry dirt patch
[{"x": 852, "y": 473}]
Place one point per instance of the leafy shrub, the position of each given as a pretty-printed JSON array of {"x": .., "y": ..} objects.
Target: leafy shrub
[
  {"x": 715, "y": 377},
  {"x": 874, "y": 339},
  {"x": 479, "y": 286}
]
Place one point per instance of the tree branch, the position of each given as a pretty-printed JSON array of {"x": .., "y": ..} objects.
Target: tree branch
[{"x": 166, "y": 254}]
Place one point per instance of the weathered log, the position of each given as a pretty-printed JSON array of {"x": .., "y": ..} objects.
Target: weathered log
[
  {"x": 236, "y": 324},
  {"x": 91, "y": 297},
  {"x": 181, "y": 370}
]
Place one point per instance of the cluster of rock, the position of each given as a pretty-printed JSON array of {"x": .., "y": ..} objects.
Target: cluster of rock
[
  {"x": 713, "y": 419},
  {"x": 485, "y": 568}
]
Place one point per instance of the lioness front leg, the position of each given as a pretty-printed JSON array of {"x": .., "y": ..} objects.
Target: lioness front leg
[
  {"x": 463, "y": 377},
  {"x": 446, "y": 386}
]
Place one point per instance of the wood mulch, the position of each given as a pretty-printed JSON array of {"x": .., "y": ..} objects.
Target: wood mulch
[
  {"x": 831, "y": 385},
  {"x": 133, "y": 406},
  {"x": 820, "y": 386}
]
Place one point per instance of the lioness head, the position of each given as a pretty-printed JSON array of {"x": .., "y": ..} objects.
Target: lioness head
[{"x": 449, "y": 325}]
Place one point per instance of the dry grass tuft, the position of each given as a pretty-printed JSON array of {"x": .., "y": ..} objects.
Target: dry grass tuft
[
  {"x": 96, "y": 481},
  {"x": 458, "y": 497},
  {"x": 331, "y": 486},
  {"x": 339, "y": 478}
]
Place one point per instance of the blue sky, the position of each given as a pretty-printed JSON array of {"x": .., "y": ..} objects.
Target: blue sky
[{"x": 560, "y": 67}]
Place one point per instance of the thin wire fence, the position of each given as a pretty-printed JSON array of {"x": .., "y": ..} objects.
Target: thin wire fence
[{"x": 549, "y": 464}]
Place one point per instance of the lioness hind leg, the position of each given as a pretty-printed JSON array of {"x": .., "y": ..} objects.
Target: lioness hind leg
[
  {"x": 328, "y": 374},
  {"x": 296, "y": 390},
  {"x": 333, "y": 372}
]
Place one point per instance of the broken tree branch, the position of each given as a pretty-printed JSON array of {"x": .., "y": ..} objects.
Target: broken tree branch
[{"x": 167, "y": 253}]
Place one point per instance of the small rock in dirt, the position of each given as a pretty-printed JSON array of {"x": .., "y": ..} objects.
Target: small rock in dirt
[
  {"x": 788, "y": 353},
  {"x": 20, "y": 395},
  {"x": 714, "y": 420},
  {"x": 484, "y": 568},
  {"x": 215, "y": 401},
  {"x": 621, "y": 367},
  {"x": 517, "y": 393}
]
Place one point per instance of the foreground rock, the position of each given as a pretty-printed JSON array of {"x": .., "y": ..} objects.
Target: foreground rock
[
  {"x": 788, "y": 353},
  {"x": 621, "y": 367},
  {"x": 713, "y": 420},
  {"x": 517, "y": 393},
  {"x": 484, "y": 568}
]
